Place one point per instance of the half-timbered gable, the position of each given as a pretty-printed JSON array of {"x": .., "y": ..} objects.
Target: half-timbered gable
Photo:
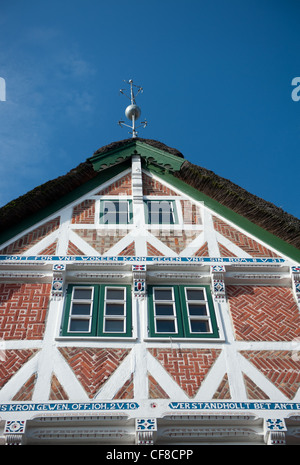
[{"x": 145, "y": 300}]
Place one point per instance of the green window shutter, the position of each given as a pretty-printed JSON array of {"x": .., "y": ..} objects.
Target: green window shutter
[
  {"x": 157, "y": 318},
  {"x": 72, "y": 316},
  {"x": 198, "y": 324},
  {"x": 73, "y": 320},
  {"x": 194, "y": 319},
  {"x": 109, "y": 324}
]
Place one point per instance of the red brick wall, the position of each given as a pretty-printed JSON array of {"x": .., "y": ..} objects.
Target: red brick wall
[
  {"x": 84, "y": 213},
  {"x": 120, "y": 187},
  {"x": 13, "y": 361},
  {"x": 263, "y": 313},
  {"x": 188, "y": 367},
  {"x": 93, "y": 366},
  {"x": 279, "y": 367},
  {"x": 247, "y": 244},
  {"x": 23, "y": 309},
  {"x": 153, "y": 187}
]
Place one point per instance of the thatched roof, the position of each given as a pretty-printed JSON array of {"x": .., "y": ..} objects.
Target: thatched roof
[{"x": 253, "y": 208}]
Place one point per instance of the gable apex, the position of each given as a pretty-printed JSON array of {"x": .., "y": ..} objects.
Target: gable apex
[{"x": 151, "y": 151}]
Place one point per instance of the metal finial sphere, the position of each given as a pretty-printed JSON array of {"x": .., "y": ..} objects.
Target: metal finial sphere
[{"x": 133, "y": 111}]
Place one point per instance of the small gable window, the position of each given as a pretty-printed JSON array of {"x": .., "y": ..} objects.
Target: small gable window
[
  {"x": 115, "y": 211},
  {"x": 160, "y": 212}
]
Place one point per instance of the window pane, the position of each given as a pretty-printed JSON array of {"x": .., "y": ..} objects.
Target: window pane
[
  {"x": 122, "y": 212},
  {"x": 114, "y": 326},
  {"x": 115, "y": 294},
  {"x": 198, "y": 326},
  {"x": 82, "y": 294},
  {"x": 160, "y": 212},
  {"x": 195, "y": 294},
  {"x": 114, "y": 309},
  {"x": 81, "y": 309},
  {"x": 165, "y": 326},
  {"x": 163, "y": 294},
  {"x": 79, "y": 325},
  {"x": 163, "y": 309},
  {"x": 115, "y": 212},
  {"x": 197, "y": 309}
]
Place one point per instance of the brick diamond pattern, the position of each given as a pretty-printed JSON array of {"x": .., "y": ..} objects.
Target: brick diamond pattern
[
  {"x": 177, "y": 240},
  {"x": 11, "y": 361},
  {"x": 263, "y": 313},
  {"x": 188, "y": 367},
  {"x": 92, "y": 366},
  {"x": 245, "y": 243},
  {"x": 101, "y": 240},
  {"x": 279, "y": 367},
  {"x": 23, "y": 309}
]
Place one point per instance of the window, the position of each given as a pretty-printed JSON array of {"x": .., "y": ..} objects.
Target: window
[
  {"x": 160, "y": 212},
  {"x": 97, "y": 310},
  {"x": 181, "y": 311},
  {"x": 115, "y": 211}
]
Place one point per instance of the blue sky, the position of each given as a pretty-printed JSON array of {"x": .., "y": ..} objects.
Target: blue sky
[{"x": 216, "y": 76}]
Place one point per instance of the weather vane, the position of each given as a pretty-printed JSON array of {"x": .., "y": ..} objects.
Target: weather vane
[{"x": 132, "y": 112}]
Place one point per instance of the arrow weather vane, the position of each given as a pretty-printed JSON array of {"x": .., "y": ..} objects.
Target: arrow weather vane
[{"x": 132, "y": 112}]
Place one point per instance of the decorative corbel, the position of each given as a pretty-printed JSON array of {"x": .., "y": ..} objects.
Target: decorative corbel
[
  {"x": 14, "y": 431},
  {"x": 146, "y": 429},
  {"x": 218, "y": 282},
  {"x": 275, "y": 429},
  {"x": 139, "y": 280},
  {"x": 296, "y": 281},
  {"x": 58, "y": 281}
]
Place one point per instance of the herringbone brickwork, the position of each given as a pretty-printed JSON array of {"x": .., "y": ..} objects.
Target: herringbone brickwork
[
  {"x": 57, "y": 392},
  {"x": 129, "y": 250},
  {"x": 127, "y": 390},
  {"x": 247, "y": 244},
  {"x": 50, "y": 250},
  {"x": 223, "y": 391},
  {"x": 92, "y": 366},
  {"x": 188, "y": 367},
  {"x": 263, "y": 313},
  {"x": 203, "y": 251},
  {"x": 152, "y": 251},
  {"x": 84, "y": 213},
  {"x": 23, "y": 309},
  {"x": 120, "y": 187},
  {"x": 26, "y": 391},
  {"x": 30, "y": 239},
  {"x": 73, "y": 249},
  {"x": 155, "y": 390},
  {"x": 253, "y": 391},
  {"x": 278, "y": 366},
  {"x": 11, "y": 361}
]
